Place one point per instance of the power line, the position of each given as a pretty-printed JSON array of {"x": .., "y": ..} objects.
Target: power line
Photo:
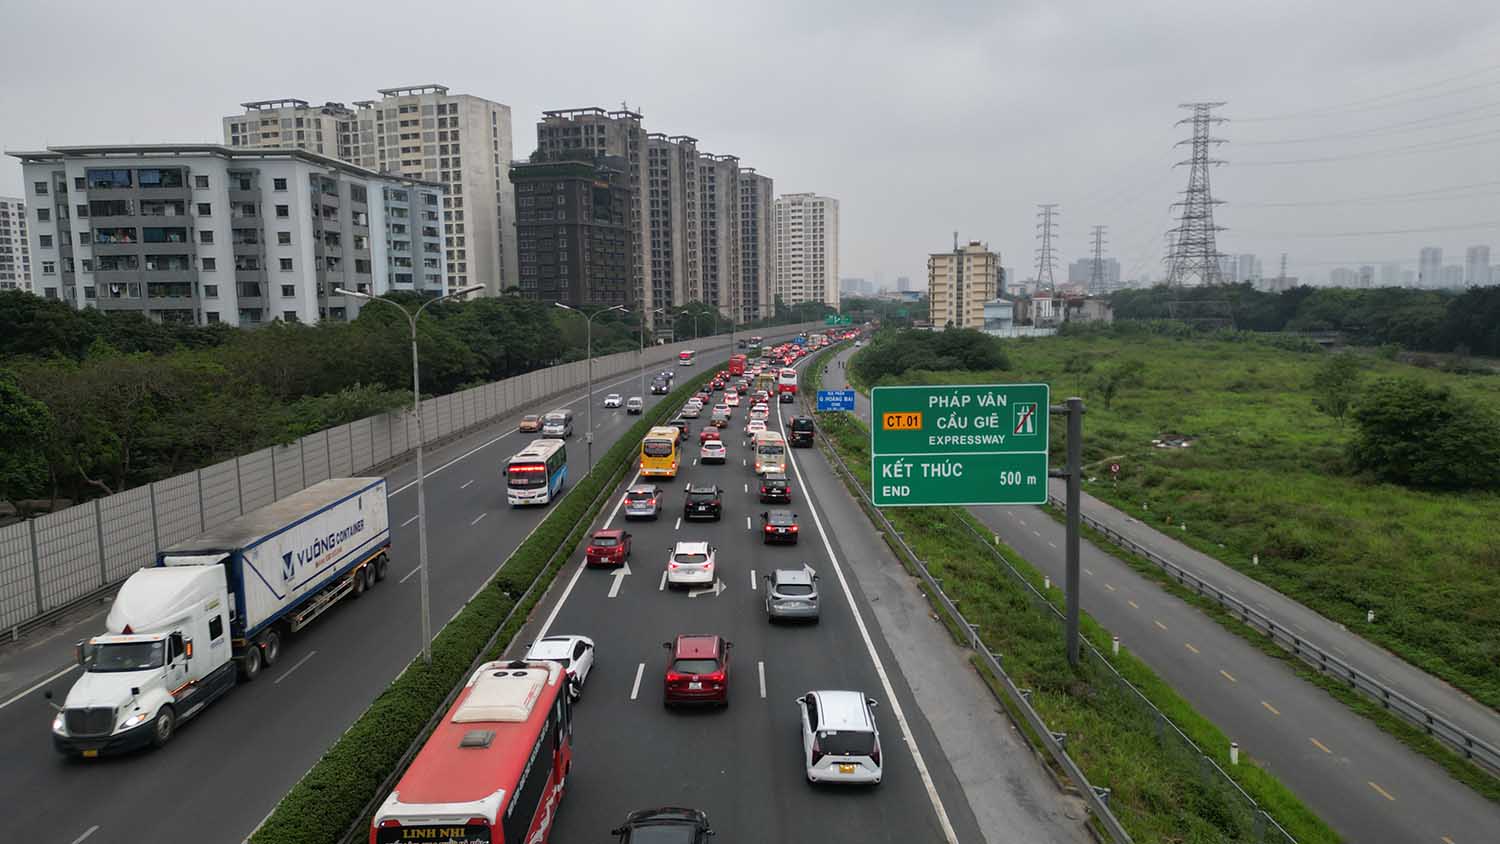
[
  {"x": 1441, "y": 146},
  {"x": 1316, "y": 203},
  {"x": 1353, "y": 105},
  {"x": 1316, "y": 236},
  {"x": 1388, "y": 129}
]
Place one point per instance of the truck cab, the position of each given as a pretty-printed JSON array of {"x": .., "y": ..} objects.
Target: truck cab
[{"x": 166, "y": 655}]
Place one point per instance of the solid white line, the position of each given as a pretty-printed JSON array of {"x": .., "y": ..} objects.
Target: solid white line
[
  {"x": 40, "y": 684},
  {"x": 410, "y": 574},
  {"x": 753, "y": 584},
  {"x": 86, "y": 833},
  {"x": 467, "y": 483},
  {"x": 412, "y": 519},
  {"x": 636, "y": 689},
  {"x": 556, "y": 608},
  {"x": 761, "y": 667},
  {"x": 288, "y": 672},
  {"x": 864, "y": 632},
  {"x": 478, "y": 517}
]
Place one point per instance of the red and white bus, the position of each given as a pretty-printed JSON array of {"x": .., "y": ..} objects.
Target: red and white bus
[
  {"x": 494, "y": 769},
  {"x": 736, "y": 365},
  {"x": 686, "y": 358},
  {"x": 786, "y": 380}
]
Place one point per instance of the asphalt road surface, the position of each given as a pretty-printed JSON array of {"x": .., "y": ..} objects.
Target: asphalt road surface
[{"x": 1367, "y": 785}]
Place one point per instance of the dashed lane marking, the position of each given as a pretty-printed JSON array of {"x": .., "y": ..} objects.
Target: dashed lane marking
[
  {"x": 466, "y": 484},
  {"x": 761, "y": 668},
  {"x": 1319, "y": 745},
  {"x": 1133, "y": 604},
  {"x": 1189, "y": 646},
  {"x": 477, "y": 519},
  {"x": 1382, "y": 792},
  {"x": 1159, "y": 624},
  {"x": 1110, "y": 588},
  {"x": 1273, "y": 710},
  {"x": 1228, "y": 676},
  {"x": 635, "y": 689},
  {"x": 412, "y": 519}
]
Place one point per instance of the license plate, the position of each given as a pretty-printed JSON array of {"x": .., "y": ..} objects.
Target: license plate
[
  {"x": 89, "y": 754},
  {"x": 693, "y": 687},
  {"x": 846, "y": 769}
]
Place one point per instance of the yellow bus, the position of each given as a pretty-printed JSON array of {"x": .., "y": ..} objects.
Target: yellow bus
[{"x": 659, "y": 452}]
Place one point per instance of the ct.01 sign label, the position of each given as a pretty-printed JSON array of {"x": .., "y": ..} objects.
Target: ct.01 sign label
[{"x": 959, "y": 445}]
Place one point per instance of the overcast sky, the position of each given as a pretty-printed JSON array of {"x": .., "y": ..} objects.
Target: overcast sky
[{"x": 921, "y": 118}]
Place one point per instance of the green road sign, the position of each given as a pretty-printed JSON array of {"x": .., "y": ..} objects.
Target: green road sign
[{"x": 966, "y": 444}]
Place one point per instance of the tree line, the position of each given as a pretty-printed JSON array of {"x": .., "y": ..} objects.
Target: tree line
[{"x": 95, "y": 402}]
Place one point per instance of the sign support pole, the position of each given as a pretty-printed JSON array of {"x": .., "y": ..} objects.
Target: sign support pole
[{"x": 1074, "y": 475}]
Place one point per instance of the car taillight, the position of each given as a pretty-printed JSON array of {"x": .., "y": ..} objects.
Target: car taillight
[
  {"x": 671, "y": 565},
  {"x": 817, "y": 752},
  {"x": 652, "y": 502},
  {"x": 793, "y": 528},
  {"x": 674, "y": 677},
  {"x": 770, "y": 528},
  {"x": 716, "y": 677},
  {"x": 875, "y": 755}
]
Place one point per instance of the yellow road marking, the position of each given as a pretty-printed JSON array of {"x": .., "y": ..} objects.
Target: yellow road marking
[
  {"x": 1110, "y": 588},
  {"x": 1159, "y": 624},
  {"x": 1189, "y": 646},
  {"x": 1228, "y": 675},
  {"x": 1132, "y": 603},
  {"x": 1274, "y": 710},
  {"x": 1319, "y": 745},
  {"x": 1447, "y": 840},
  {"x": 1383, "y": 792}
]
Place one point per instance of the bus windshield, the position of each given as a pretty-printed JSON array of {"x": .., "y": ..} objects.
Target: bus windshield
[
  {"x": 770, "y": 450},
  {"x": 527, "y": 475}
]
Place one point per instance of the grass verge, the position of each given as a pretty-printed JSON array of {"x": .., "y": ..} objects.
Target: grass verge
[
  {"x": 1162, "y": 789},
  {"x": 332, "y": 795}
]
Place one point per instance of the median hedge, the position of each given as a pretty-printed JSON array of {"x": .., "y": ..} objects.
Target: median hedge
[
  {"x": 1161, "y": 790},
  {"x": 332, "y": 795}
]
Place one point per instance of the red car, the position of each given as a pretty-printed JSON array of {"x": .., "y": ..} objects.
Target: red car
[
  {"x": 708, "y": 434},
  {"x": 697, "y": 670},
  {"x": 608, "y": 548}
]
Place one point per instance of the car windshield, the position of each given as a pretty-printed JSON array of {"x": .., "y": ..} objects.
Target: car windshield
[
  {"x": 713, "y": 445},
  {"x": 532, "y": 418},
  {"x": 606, "y": 541},
  {"x": 641, "y": 494},
  {"x": 846, "y": 743},
  {"x": 802, "y": 424},
  {"x": 658, "y": 448},
  {"x": 696, "y": 666},
  {"x": 124, "y": 656},
  {"x": 702, "y": 495},
  {"x": 782, "y": 519},
  {"x": 794, "y": 589},
  {"x": 692, "y": 559},
  {"x": 676, "y": 833}
]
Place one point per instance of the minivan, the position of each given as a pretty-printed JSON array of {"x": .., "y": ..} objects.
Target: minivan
[
  {"x": 840, "y": 742},
  {"x": 558, "y": 424},
  {"x": 800, "y": 431}
]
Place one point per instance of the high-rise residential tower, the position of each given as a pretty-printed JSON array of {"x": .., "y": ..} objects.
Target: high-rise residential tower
[
  {"x": 1430, "y": 267},
  {"x": 1477, "y": 266},
  {"x": 15, "y": 250},
  {"x": 330, "y": 129},
  {"x": 757, "y": 246},
  {"x": 807, "y": 249},
  {"x": 959, "y": 283},
  {"x": 572, "y": 232}
]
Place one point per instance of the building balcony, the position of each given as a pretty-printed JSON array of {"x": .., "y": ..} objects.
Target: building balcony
[{"x": 256, "y": 248}]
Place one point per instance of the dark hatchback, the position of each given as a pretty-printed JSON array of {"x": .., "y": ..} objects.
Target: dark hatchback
[
  {"x": 778, "y": 526},
  {"x": 775, "y": 489},
  {"x": 667, "y": 825},
  {"x": 703, "y": 502},
  {"x": 800, "y": 431}
]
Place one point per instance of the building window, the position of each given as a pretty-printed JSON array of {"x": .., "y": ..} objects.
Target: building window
[
  {"x": 205, "y": 236},
  {"x": 278, "y": 184},
  {"x": 283, "y": 238},
  {"x": 49, "y": 268},
  {"x": 43, "y": 214},
  {"x": 78, "y": 183},
  {"x": 289, "y": 290},
  {"x": 213, "y": 319},
  {"x": 283, "y": 211},
  {"x": 288, "y": 316},
  {"x": 201, "y": 182},
  {"x": 210, "y": 264},
  {"x": 44, "y": 241},
  {"x": 210, "y": 291},
  {"x": 41, "y": 188},
  {"x": 205, "y": 209},
  {"x": 286, "y": 265},
  {"x": 81, "y": 211}
]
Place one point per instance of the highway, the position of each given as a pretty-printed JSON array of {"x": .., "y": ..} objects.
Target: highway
[
  {"x": 233, "y": 763},
  {"x": 1366, "y": 784}
]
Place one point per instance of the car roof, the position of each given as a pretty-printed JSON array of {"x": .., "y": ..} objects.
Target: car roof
[
  {"x": 674, "y": 814},
  {"x": 605, "y": 533},
  {"x": 842, "y": 710},
  {"x": 702, "y": 488},
  {"x": 700, "y": 547},
  {"x": 645, "y": 488},
  {"x": 784, "y": 517},
  {"x": 802, "y": 575},
  {"x": 553, "y": 647},
  {"x": 697, "y": 646}
]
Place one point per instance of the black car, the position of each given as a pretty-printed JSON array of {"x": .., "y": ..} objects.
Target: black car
[
  {"x": 667, "y": 825},
  {"x": 787, "y": 398},
  {"x": 775, "y": 489},
  {"x": 683, "y": 426},
  {"x": 778, "y": 526},
  {"x": 800, "y": 431},
  {"x": 703, "y": 502},
  {"x": 660, "y": 387}
]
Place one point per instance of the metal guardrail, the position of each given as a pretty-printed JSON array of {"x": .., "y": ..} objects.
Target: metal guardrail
[
  {"x": 1095, "y": 797},
  {"x": 1471, "y": 747}
]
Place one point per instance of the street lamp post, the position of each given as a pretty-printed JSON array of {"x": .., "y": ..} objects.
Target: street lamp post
[
  {"x": 416, "y": 407},
  {"x": 588, "y": 333}
]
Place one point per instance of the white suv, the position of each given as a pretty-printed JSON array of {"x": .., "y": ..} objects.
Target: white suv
[
  {"x": 839, "y": 740},
  {"x": 691, "y": 564}
]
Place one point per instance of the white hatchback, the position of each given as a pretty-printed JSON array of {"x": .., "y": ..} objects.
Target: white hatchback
[
  {"x": 691, "y": 564},
  {"x": 840, "y": 742}
]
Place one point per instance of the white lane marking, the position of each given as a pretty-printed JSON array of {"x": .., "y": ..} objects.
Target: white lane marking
[
  {"x": 1037, "y": 532},
  {"x": 18, "y": 695},
  {"x": 412, "y": 519},
  {"x": 467, "y": 484},
  {"x": 478, "y": 518},
  {"x": 744, "y": 461},
  {"x": 753, "y": 583},
  {"x": 747, "y": 523},
  {"x": 573, "y": 581},
  {"x": 619, "y": 576},
  {"x": 885, "y": 680},
  {"x": 1052, "y": 544},
  {"x": 678, "y": 526},
  {"x": 695, "y": 461},
  {"x": 410, "y": 575},
  {"x": 1022, "y": 521},
  {"x": 747, "y": 487},
  {"x": 761, "y": 667},
  {"x": 662, "y": 587},
  {"x": 636, "y": 688},
  {"x": 298, "y": 665},
  {"x": 86, "y": 833}
]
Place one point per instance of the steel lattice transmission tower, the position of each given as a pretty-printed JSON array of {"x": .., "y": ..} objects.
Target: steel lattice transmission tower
[
  {"x": 1194, "y": 255},
  {"x": 1098, "y": 284},
  {"x": 1045, "y": 261}
]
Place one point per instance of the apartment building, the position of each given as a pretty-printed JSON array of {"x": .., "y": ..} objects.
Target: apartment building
[
  {"x": 807, "y": 249},
  {"x": 670, "y": 237},
  {"x": 719, "y": 232},
  {"x": 15, "y": 250},
  {"x": 757, "y": 247},
  {"x": 422, "y": 133},
  {"x": 959, "y": 283},
  {"x": 573, "y": 233},
  {"x": 203, "y": 233},
  {"x": 330, "y": 129}
]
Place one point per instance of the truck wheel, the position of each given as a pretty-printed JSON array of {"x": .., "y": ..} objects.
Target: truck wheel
[
  {"x": 370, "y": 575},
  {"x": 359, "y": 583},
  {"x": 163, "y": 727},
  {"x": 381, "y": 564},
  {"x": 250, "y": 663},
  {"x": 270, "y": 647}
]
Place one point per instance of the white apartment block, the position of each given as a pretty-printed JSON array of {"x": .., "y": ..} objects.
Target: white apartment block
[
  {"x": 807, "y": 249},
  {"x": 206, "y": 234},
  {"x": 757, "y": 252},
  {"x": 422, "y": 133},
  {"x": 959, "y": 283},
  {"x": 15, "y": 250}
]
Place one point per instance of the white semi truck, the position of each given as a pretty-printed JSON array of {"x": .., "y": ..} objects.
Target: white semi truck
[{"x": 215, "y": 608}]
